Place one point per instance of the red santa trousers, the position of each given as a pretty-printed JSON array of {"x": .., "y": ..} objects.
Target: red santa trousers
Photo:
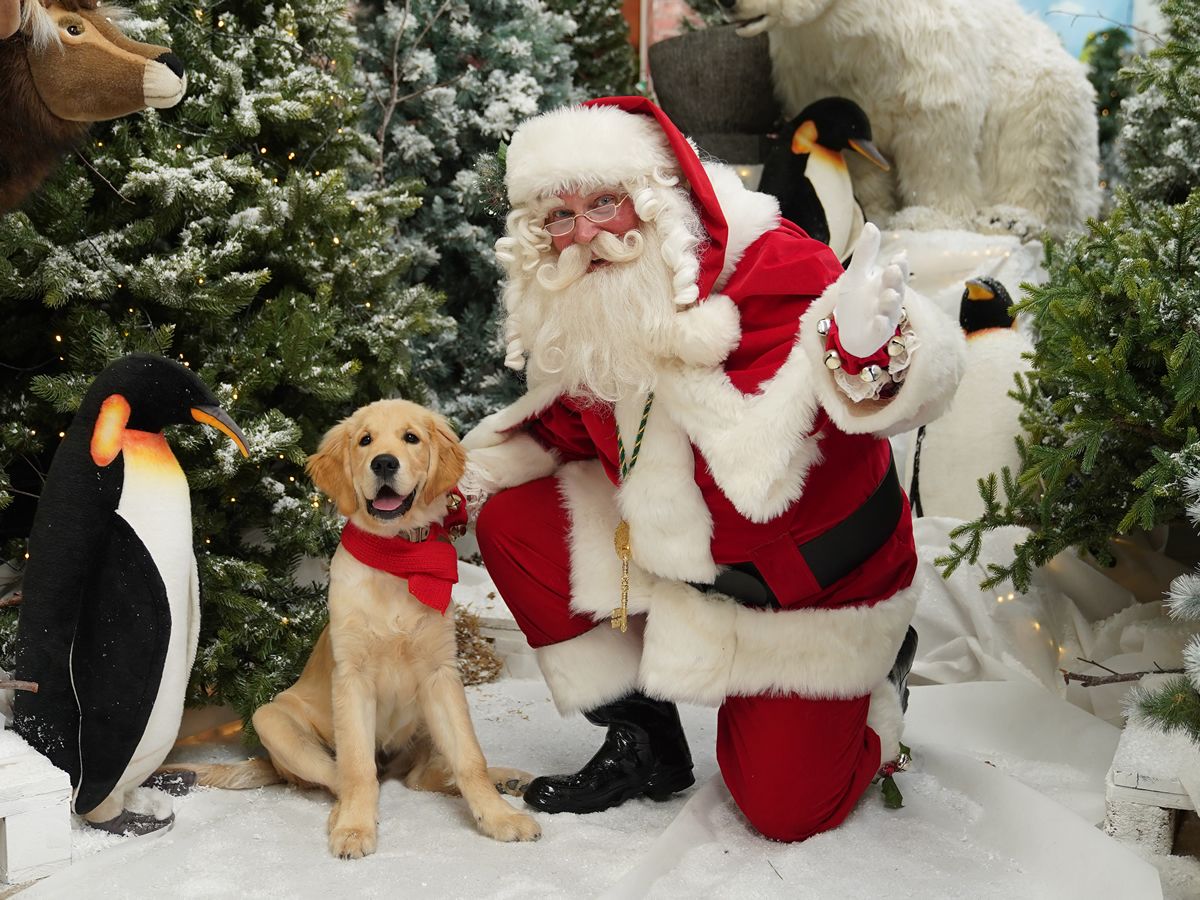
[{"x": 795, "y": 766}]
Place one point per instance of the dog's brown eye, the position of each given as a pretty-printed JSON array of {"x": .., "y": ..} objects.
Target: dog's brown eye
[
  {"x": 364, "y": 440},
  {"x": 75, "y": 30},
  {"x": 410, "y": 438}
]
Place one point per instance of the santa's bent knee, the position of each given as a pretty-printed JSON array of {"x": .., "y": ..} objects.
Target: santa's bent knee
[{"x": 791, "y": 813}]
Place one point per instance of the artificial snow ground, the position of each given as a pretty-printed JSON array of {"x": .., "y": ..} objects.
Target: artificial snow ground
[
  {"x": 1003, "y": 800},
  {"x": 1000, "y": 803}
]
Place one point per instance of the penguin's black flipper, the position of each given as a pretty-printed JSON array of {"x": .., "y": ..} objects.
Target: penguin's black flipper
[
  {"x": 68, "y": 539},
  {"x": 117, "y": 662}
]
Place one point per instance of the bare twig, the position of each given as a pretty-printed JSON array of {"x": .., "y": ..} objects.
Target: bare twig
[
  {"x": 1092, "y": 662},
  {"x": 1115, "y": 678},
  {"x": 87, "y": 162},
  {"x": 1076, "y": 16},
  {"x": 30, "y": 686},
  {"x": 398, "y": 63}
]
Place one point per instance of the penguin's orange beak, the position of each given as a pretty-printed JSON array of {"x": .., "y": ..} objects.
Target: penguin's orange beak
[
  {"x": 219, "y": 419},
  {"x": 871, "y": 152},
  {"x": 977, "y": 290}
]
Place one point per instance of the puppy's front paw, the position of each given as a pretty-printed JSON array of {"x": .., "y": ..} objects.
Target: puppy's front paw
[
  {"x": 510, "y": 826},
  {"x": 351, "y": 842}
]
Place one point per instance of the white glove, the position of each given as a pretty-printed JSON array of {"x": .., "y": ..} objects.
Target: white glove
[{"x": 868, "y": 300}]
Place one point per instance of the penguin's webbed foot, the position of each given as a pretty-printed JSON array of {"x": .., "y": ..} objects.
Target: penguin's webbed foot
[
  {"x": 131, "y": 824},
  {"x": 177, "y": 782}
]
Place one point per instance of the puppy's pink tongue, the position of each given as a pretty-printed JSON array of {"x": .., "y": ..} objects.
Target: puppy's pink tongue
[{"x": 388, "y": 503}]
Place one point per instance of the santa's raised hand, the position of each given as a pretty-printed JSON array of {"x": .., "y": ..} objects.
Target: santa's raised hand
[{"x": 869, "y": 297}]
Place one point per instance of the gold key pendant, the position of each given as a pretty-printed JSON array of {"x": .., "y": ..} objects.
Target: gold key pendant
[{"x": 620, "y": 615}]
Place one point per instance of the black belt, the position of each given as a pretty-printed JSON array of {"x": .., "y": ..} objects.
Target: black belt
[{"x": 829, "y": 556}]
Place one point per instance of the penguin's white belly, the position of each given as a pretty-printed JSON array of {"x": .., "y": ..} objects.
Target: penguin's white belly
[
  {"x": 976, "y": 436},
  {"x": 156, "y": 503},
  {"x": 831, "y": 181}
]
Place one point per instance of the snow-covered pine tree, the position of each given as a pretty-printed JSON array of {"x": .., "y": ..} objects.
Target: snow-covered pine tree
[
  {"x": 1160, "y": 135},
  {"x": 222, "y": 233},
  {"x": 1112, "y": 404},
  {"x": 446, "y": 82},
  {"x": 1175, "y": 704},
  {"x": 606, "y": 62},
  {"x": 1106, "y": 53}
]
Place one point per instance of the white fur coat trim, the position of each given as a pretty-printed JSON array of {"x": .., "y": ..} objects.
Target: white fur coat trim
[
  {"x": 757, "y": 446},
  {"x": 518, "y": 460},
  {"x": 936, "y": 367},
  {"x": 701, "y": 649},
  {"x": 670, "y": 529},
  {"x": 583, "y": 148},
  {"x": 592, "y": 669},
  {"x": 495, "y": 429},
  {"x": 886, "y": 719}
]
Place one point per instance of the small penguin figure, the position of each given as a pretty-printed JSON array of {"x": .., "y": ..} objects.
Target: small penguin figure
[
  {"x": 806, "y": 171},
  {"x": 110, "y": 618},
  {"x": 976, "y": 436}
]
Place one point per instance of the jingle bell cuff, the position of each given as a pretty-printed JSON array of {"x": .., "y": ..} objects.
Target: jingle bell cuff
[
  {"x": 868, "y": 377},
  {"x": 851, "y": 364}
]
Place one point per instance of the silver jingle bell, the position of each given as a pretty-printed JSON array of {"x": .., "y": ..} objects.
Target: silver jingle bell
[
  {"x": 870, "y": 374},
  {"x": 895, "y": 347},
  {"x": 823, "y": 326},
  {"x": 832, "y": 360}
]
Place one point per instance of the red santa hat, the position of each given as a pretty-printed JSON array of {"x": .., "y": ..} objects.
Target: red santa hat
[{"x": 608, "y": 142}]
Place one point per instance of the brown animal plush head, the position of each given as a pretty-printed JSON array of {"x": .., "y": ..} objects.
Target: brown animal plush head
[
  {"x": 387, "y": 463},
  {"x": 64, "y": 64},
  {"x": 85, "y": 70}
]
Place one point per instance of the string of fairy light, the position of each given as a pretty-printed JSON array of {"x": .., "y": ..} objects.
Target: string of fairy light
[{"x": 1034, "y": 624}]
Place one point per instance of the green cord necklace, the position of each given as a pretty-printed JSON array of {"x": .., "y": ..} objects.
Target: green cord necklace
[{"x": 620, "y": 615}]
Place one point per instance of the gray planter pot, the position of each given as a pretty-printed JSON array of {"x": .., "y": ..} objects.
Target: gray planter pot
[{"x": 717, "y": 88}]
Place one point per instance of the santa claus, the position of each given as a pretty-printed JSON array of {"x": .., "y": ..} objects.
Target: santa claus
[{"x": 695, "y": 499}]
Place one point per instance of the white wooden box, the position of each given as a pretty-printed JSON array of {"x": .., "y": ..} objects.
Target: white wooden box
[
  {"x": 35, "y": 812},
  {"x": 1144, "y": 789}
]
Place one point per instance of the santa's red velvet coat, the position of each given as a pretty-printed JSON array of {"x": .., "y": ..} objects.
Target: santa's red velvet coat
[{"x": 750, "y": 448}]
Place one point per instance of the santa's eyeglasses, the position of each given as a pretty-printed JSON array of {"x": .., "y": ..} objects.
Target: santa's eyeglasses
[{"x": 597, "y": 216}]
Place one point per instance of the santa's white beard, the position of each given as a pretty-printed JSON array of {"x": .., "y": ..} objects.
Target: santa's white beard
[{"x": 600, "y": 335}]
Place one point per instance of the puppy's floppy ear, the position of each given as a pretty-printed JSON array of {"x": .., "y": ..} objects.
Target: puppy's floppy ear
[
  {"x": 329, "y": 468},
  {"x": 447, "y": 459}
]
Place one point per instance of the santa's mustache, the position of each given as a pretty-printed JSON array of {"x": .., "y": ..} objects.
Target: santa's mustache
[{"x": 574, "y": 260}]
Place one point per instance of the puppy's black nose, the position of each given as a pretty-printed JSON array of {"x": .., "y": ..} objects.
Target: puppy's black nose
[{"x": 385, "y": 465}]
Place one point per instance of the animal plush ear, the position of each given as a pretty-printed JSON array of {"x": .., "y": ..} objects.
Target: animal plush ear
[
  {"x": 329, "y": 468},
  {"x": 447, "y": 459}
]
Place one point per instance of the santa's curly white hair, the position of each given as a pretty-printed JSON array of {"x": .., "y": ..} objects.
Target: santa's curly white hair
[{"x": 586, "y": 149}]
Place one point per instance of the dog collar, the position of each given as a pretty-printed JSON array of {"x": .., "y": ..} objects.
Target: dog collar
[{"x": 429, "y": 565}]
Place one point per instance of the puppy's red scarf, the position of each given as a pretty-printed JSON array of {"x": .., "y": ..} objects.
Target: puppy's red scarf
[{"x": 431, "y": 565}]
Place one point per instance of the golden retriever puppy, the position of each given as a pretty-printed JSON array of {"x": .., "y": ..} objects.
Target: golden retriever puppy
[{"x": 382, "y": 682}]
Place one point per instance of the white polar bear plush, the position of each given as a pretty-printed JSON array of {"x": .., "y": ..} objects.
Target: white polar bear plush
[{"x": 989, "y": 123}]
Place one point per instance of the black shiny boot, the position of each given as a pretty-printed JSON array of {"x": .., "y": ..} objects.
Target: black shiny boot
[
  {"x": 644, "y": 753},
  {"x": 898, "y": 676}
]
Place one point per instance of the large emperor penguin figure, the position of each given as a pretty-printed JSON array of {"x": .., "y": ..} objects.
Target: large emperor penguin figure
[{"x": 111, "y": 614}]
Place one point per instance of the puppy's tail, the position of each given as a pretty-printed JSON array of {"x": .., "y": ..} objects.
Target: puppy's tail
[{"x": 239, "y": 776}]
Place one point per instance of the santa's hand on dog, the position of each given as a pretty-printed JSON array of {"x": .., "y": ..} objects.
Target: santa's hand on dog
[{"x": 869, "y": 297}]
